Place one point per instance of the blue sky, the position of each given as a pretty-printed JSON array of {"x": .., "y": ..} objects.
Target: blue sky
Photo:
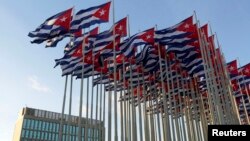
[{"x": 27, "y": 76}]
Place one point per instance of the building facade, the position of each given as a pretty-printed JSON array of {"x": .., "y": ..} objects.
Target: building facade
[{"x": 41, "y": 125}]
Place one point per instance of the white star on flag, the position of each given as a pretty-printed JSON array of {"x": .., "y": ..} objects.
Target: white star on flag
[
  {"x": 231, "y": 68},
  {"x": 186, "y": 25},
  {"x": 63, "y": 19},
  {"x": 88, "y": 58},
  {"x": 120, "y": 28},
  {"x": 102, "y": 12},
  {"x": 233, "y": 85},
  {"x": 148, "y": 36},
  {"x": 79, "y": 51}
]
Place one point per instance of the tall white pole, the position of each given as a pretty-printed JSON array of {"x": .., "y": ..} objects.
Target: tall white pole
[{"x": 63, "y": 107}]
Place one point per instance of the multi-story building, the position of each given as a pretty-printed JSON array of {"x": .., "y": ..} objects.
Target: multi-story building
[{"x": 41, "y": 125}]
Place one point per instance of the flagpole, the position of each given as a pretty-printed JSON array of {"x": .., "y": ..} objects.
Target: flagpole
[
  {"x": 158, "y": 117},
  {"x": 186, "y": 111},
  {"x": 81, "y": 95},
  {"x": 109, "y": 113},
  {"x": 124, "y": 102},
  {"x": 63, "y": 107},
  {"x": 96, "y": 112},
  {"x": 70, "y": 106},
  {"x": 168, "y": 73},
  {"x": 164, "y": 98},
  {"x": 121, "y": 111},
  {"x": 146, "y": 127},
  {"x": 133, "y": 106},
  {"x": 100, "y": 109},
  {"x": 104, "y": 109},
  {"x": 92, "y": 96},
  {"x": 139, "y": 107},
  {"x": 184, "y": 85},
  {"x": 182, "y": 108},
  {"x": 115, "y": 79}
]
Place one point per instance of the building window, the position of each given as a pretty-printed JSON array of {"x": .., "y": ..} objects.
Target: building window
[
  {"x": 28, "y": 124},
  {"x": 40, "y": 125},
  {"x": 42, "y": 135},
  {"x": 45, "y": 135},
  {"x": 26, "y": 133},
  {"x": 23, "y": 134},
  {"x": 31, "y": 124},
  {"x": 38, "y": 135},
  {"x": 30, "y": 133},
  {"x": 57, "y": 127},
  {"x": 47, "y": 126}
]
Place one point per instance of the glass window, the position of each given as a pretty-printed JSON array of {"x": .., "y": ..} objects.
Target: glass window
[
  {"x": 64, "y": 128},
  {"x": 49, "y": 136},
  {"x": 97, "y": 133},
  {"x": 73, "y": 130},
  {"x": 32, "y": 124},
  {"x": 43, "y": 126},
  {"x": 35, "y": 124},
  {"x": 47, "y": 126},
  {"x": 50, "y": 126},
  {"x": 54, "y": 127},
  {"x": 76, "y": 128},
  {"x": 45, "y": 135},
  {"x": 56, "y": 137},
  {"x": 38, "y": 135},
  {"x": 83, "y": 131},
  {"x": 26, "y": 133},
  {"x": 53, "y": 137},
  {"x": 30, "y": 134},
  {"x": 28, "y": 123},
  {"x": 57, "y": 127},
  {"x": 64, "y": 138},
  {"x": 23, "y": 133},
  {"x": 89, "y": 132},
  {"x": 24, "y": 123},
  {"x": 34, "y": 134},
  {"x": 70, "y": 129},
  {"x": 39, "y": 125},
  {"x": 42, "y": 135}
]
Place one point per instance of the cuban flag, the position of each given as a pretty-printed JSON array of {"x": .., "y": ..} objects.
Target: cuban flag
[
  {"x": 74, "y": 57},
  {"x": 53, "y": 42},
  {"x": 244, "y": 79},
  {"x": 146, "y": 37},
  {"x": 179, "y": 33},
  {"x": 232, "y": 69},
  {"x": 93, "y": 15},
  {"x": 119, "y": 29},
  {"x": 55, "y": 26}
]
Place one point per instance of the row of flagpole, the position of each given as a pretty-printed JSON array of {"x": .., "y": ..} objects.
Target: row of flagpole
[{"x": 150, "y": 113}]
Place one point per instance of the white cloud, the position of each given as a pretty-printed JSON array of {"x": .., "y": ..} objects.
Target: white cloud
[{"x": 36, "y": 85}]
